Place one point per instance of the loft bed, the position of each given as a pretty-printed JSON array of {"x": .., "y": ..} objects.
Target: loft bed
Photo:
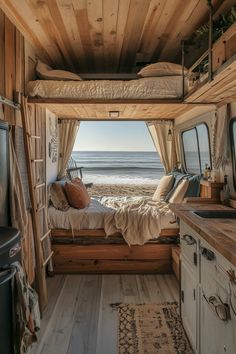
[{"x": 163, "y": 97}]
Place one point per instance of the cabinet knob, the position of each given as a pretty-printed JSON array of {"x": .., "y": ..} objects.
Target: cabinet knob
[{"x": 189, "y": 239}]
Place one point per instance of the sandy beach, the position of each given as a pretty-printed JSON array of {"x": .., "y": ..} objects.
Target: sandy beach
[{"x": 122, "y": 189}]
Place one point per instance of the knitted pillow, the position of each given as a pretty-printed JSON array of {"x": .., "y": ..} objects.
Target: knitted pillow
[{"x": 57, "y": 196}]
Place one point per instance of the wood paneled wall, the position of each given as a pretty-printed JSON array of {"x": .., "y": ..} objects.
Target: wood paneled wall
[
  {"x": 17, "y": 63},
  {"x": 12, "y": 66}
]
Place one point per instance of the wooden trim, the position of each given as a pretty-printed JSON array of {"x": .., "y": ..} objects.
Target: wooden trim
[
  {"x": 123, "y": 252},
  {"x": 61, "y": 100},
  {"x": 113, "y": 267},
  {"x": 62, "y": 233},
  {"x": 71, "y": 101}
]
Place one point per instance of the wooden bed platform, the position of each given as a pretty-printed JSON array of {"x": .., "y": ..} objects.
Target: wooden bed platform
[{"x": 88, "y": 251}]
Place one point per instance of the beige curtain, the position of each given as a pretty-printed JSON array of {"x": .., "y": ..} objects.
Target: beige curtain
[
  {"x": 165, "y": 148},
  {"x": 220, "y": 137},
  {"x": 68, "y": 130}
]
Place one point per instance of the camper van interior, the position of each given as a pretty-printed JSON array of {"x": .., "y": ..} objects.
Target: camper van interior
[{"x": 139, "y": 267}]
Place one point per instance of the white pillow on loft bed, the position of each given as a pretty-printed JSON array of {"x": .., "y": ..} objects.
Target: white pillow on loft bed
[
  {"x": 162, "y": 69},
  {"x": 45, "y": 72}
]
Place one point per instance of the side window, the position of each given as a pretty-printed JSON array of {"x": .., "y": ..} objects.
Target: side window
[
  {"x": 233, "y": 146},
  {"x": 196, "y": 148}
]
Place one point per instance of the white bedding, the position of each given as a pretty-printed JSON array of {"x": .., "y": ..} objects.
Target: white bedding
[
  {"x": 137, "y": 218},
  {"x": 90, "y": 218},
  {"x": 144, "y": 88}
]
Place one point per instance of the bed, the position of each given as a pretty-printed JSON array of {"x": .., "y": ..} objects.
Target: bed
[
  {"x": 88, "y": 240},
  {"x": 144, "y": 88}
]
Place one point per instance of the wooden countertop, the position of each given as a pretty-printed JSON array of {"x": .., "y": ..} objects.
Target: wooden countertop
[{"x": 219, "y": 233}]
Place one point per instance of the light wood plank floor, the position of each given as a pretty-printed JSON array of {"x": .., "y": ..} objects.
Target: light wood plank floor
[{"x": 79, "y": 318}]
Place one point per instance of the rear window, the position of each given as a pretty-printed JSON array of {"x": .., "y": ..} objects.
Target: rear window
[{"x": 196, "y": 148}]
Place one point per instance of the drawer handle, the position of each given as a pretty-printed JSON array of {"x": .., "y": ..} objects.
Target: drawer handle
[
  {"x": 218, "y": 307},
  {"x": 208, "y": 254},
  {"x": 189, "y": 239}
]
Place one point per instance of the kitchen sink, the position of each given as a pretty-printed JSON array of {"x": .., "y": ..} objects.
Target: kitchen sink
[{"x": 216, "y": 214}]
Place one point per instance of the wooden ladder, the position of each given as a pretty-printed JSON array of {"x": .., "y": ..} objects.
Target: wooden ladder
[{"x": 37, "y": 191}]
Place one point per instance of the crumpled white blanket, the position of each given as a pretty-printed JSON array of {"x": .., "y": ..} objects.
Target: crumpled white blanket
[{"x": 137, "y": 218}]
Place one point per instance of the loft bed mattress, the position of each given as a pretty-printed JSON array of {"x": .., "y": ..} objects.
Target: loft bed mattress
[
  {"x": 144, "y": 88},
  {"x": 102, "y": 214}
]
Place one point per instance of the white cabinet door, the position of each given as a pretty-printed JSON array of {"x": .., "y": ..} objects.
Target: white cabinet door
[
  {"x": 216, "y": 334},
  {"x": 189, "y": 298}
]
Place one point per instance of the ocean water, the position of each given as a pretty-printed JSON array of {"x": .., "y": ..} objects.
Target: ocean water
[{"x": 107, "y": 167}]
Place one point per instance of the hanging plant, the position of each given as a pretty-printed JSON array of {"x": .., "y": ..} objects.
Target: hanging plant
[{"x": 220, "y": 26}]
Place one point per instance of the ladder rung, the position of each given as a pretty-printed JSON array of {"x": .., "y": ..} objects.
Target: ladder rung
[
  {"x": 34, "y": 136},
  {"x": 45, "y": 235},
  {"x": 39, "y": 185},
  {"x": 48, "y": 259},
  {"x": 37, "y": 160},
  {"x": 41, "y": 207}
]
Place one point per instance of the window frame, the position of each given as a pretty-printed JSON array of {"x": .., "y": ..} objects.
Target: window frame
[
  {"x": 233, "y": 147},
  {"x": 199, "y": 152}
]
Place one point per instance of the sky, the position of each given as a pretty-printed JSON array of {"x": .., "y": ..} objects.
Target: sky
[{"x": 113, "y": 136}]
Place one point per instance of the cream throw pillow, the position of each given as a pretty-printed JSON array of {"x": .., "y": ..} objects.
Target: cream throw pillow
[
  {"x": 45, "y": 72},
  {"x": 163, "y": 188},
  {"x": 162, "y": 69},
  {"x": 180, "y": 191}
]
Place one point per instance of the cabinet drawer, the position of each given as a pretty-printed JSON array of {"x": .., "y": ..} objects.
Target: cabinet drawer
[{"x": 189, "y": 246}]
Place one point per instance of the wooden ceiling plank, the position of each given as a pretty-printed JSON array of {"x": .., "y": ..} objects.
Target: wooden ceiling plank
[
  {"x": 134, "y": 26},
  {"x": 49, "y": 17},
  {"x": 81, "y": 15},
  {"x": 96, "y": 21},
  {"x": 151, "y": 30},
  {"x": 183, "y": 13},
  {"x": 27, "y": 23},
  {"x": 110, "y": 14},
  {"x": 123, "y": 11},
  {"x": 192, "y": 17},
  {"x": 163, "y": 27},
  {"x": 67, "y": 13},
  {"x": 63, "y": 16}
]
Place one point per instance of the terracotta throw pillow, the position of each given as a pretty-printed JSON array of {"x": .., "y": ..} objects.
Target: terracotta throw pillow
[
  {"x": 77, "y": 194},
  {"x": 57, "y": 196},
  {"x": 163, "y": 188}
]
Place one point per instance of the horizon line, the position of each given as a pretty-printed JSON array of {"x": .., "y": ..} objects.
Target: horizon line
[{"x": 114, "y": 151}]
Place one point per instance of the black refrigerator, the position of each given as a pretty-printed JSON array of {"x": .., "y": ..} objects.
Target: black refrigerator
[
  {"x": 4, "y": 175},
  {"x": 9, "y": 249}
]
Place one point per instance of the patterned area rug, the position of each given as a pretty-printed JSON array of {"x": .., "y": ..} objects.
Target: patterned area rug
[{"x": 151, "y": 329}]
